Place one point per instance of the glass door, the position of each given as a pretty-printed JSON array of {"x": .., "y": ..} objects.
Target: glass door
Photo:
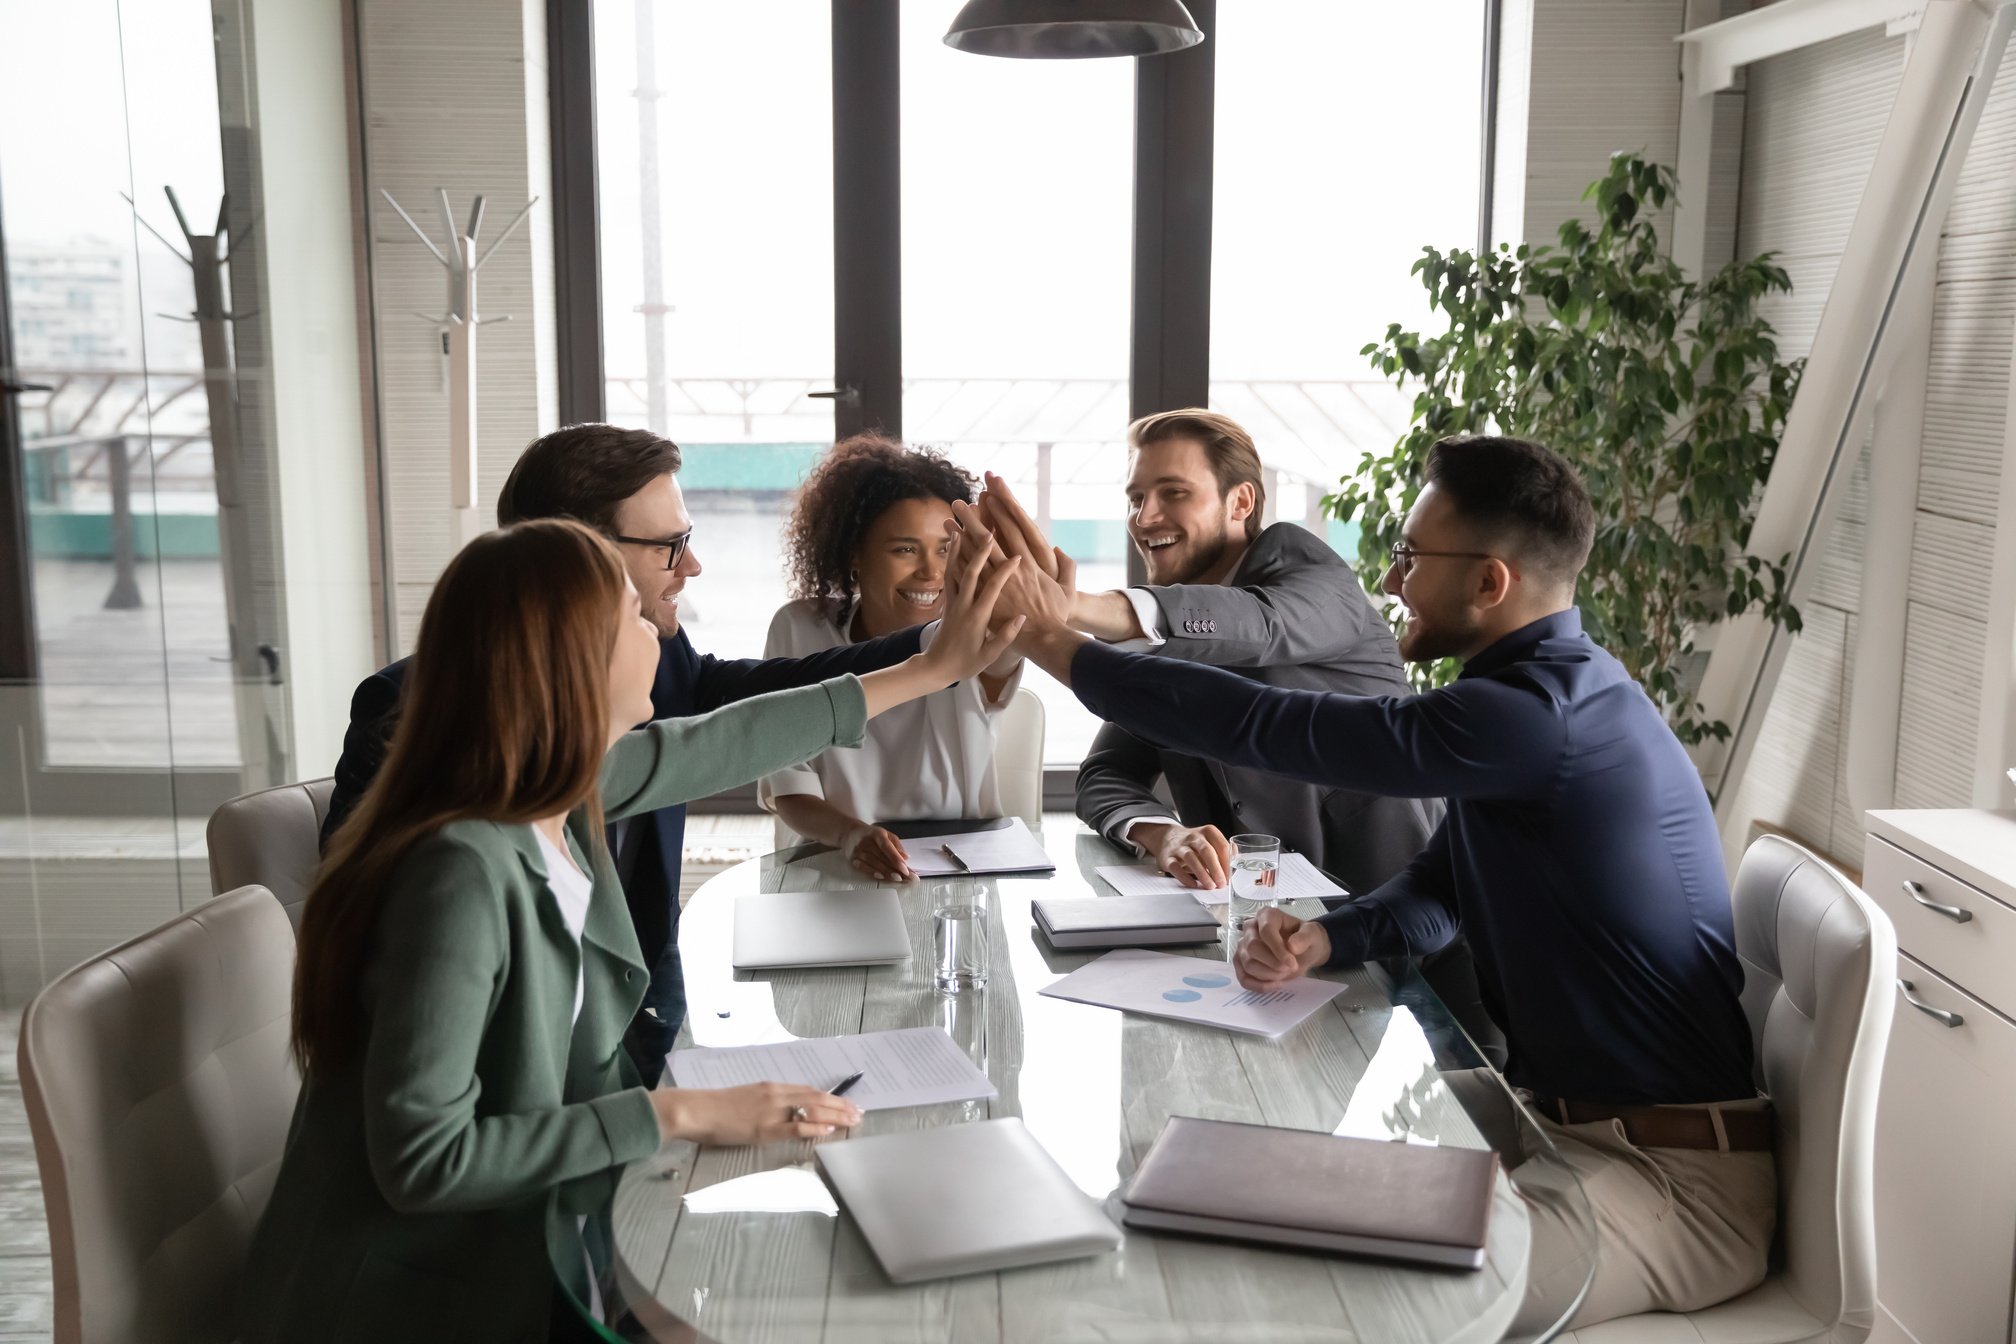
[{"x": 140, "y": 640}]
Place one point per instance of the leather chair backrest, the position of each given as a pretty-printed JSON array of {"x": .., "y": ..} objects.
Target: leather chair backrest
[
  {"x": 1818, "y": 958},
  {"x": 159, "y": 1089},
  {"x": 1018, "y": 765},
  {"x": 1018, "y": 758},
  {"x": 272, "y": 839}
]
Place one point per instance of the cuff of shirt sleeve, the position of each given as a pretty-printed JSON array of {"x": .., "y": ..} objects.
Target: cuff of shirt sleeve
[
  {"x": 1346, "y": 927},
  {"x": 926, "y": 635},
  {"x": 850, "y": 710},
  {"x": 1127, "y": 829},
  {"x": 629, "y": 1124},
  {"x": 778, "y": 783},
  {"x": 1149, "y": 614}
]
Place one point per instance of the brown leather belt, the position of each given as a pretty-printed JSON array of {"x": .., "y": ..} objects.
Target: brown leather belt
[{"x": 1711, "y": 1127}]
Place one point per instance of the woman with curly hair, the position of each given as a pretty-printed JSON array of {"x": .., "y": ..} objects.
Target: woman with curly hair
[{"x": 867, "y": 548}]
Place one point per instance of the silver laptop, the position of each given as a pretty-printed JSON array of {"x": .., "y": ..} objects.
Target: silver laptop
[
  {"x": 963, "y": 1199},
  {"x": 820, "y": 928}
]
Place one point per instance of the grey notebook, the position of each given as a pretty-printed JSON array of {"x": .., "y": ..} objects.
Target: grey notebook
[
  {"x": 819, "y": 928},
  {"x": 1124, "y": 921},
  {"x": 963, "y": 1199},
  {"x": 1294, "y": 1187}
]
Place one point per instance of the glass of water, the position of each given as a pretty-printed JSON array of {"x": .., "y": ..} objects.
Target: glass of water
[
  {"x": 959, "y": 935},
  {"x": 1256, "y": 861}
]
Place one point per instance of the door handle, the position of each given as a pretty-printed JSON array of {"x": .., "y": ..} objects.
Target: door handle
[
  {"x": 1952, "y": 912},
  {"x": 11, "y": 388},
  {"x": 1939, "y": 1015},
  {"x": 846, "y": 394}
]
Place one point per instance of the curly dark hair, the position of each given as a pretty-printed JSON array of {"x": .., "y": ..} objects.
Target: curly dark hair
[{"x": 855, "y": 484}]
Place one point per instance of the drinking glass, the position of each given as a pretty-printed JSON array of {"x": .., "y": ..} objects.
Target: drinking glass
[
  {"x": 959, "y": 935},
  {"x": 1256, "y": 861}
]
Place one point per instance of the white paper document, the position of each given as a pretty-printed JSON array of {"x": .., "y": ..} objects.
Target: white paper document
[
  {"x": 1295, "y": 880},
  {"x": 1006, "y": 849},
  {"x": 916, "y": 1066},
  {"x": 1191, "y": 989}
]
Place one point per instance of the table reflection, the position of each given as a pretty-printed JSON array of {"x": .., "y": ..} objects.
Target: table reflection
[{"x": 745, "y": 1245}]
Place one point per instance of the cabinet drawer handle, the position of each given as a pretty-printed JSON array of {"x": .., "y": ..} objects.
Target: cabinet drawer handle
[
  {"x": 1944, "y": 1017},
  {"x": 1952, "y": 912}
]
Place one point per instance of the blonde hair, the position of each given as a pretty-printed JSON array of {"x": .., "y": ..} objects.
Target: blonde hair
[{"x": 1229, "y": 448}]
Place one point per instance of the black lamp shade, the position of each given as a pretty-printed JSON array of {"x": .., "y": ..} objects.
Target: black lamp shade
[{"x": 1072, "y": 29}]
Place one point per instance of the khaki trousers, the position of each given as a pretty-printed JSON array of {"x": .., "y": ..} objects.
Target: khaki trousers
[{"x": 1676, "y": 1229}]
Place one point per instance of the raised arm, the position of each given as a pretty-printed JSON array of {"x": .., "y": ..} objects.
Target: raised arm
[
  {"x": 1305, "y": 613},
  {"x": 722, "y": 681},
  {"x": 1477, "y": 738},
  {"x": 677, "y": 760}
]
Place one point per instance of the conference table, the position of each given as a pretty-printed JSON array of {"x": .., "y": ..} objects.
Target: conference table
[{"x": 747, "y": 1245}]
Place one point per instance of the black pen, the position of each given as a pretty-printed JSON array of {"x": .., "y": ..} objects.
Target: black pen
[{"x": 839, "y": 1089}]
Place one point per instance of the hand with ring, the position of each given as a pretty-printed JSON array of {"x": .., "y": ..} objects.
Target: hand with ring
[{"x": 756, "y": 1113}]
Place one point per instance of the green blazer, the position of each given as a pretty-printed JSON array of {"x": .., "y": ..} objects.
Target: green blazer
[{"x": 411, "y": 1202}]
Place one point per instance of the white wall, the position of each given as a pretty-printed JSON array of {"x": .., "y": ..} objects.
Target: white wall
[
  {"x": 310, "y": 279},
  {"x": 1812, "y": 122},
  {"x": 454, "y": 96}
]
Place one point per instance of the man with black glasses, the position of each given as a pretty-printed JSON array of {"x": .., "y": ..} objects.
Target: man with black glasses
[
  {"x": 1579, "y": 858},
  {"x": 624, "y": 484}
]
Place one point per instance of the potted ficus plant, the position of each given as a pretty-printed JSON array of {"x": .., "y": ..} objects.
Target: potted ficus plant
[{"x": 1665, "y": 391}]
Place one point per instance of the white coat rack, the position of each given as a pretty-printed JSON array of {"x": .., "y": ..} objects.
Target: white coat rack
[{"x": 457, "y": 327}]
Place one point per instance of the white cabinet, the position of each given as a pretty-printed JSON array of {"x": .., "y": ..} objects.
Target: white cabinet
[{"x": 1946, "y": 1123}]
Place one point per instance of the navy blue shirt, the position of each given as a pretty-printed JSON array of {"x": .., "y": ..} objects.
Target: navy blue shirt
[{"x": 1579, "y": 854}]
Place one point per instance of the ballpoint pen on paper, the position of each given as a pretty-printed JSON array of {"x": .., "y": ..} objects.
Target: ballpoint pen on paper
[{"x": 839, "y": 1089}]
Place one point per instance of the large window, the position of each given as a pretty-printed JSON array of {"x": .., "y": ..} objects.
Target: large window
[
  {"x": 1347, "y": 138},
  {"x": 1017, "y": 201},
  {"x": 714, "y": 144}
]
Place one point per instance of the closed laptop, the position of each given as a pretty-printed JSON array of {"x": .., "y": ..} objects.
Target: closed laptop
[
  {"x": 1124, "y": 921},
  {"x": 819, "y": 928},
  {"x": 1290, "y": 1187},
  {"x": 963, "y": 1199}
]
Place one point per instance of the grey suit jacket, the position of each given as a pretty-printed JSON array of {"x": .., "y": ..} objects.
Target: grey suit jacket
[{"x": 1293, "y": 614}]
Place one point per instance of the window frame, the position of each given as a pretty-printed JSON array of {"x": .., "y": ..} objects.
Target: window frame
[{"x": 1170, "y": 319}]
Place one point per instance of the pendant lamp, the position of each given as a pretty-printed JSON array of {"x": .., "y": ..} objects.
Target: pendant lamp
[{"x": 1072, "y": 29}]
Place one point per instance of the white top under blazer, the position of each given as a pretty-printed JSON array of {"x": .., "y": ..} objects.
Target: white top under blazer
[{"x": 929, "y": 758}]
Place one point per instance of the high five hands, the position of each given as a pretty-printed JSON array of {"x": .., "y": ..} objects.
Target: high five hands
[{"x": 1042, "y": 589}]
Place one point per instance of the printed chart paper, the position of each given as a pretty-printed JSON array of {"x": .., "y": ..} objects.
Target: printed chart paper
[
  {"x": 916, "y": 1066},
  {"x": 1191, "y": 989},
  {"x": 1296, "y": 879}
]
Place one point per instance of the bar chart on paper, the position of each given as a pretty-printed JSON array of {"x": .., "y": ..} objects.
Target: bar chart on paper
[{"x": 1192, "y": 989}]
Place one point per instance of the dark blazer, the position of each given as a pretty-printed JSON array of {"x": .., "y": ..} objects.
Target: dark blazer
[
  {"x": 647, "y": 847},
  {"x": 1293, "y": 614}
]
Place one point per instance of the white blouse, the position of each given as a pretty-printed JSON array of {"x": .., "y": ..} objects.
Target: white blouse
[
  {"x": 930, "y": 758},
  {"x": 572, "y": 889}
]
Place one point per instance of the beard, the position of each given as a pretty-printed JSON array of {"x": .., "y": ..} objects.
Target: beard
[
  {"x": 1195, "y": 559},
  {"x": 1428, "y": 640}
]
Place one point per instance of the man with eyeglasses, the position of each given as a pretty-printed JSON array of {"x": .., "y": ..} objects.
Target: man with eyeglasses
[
  {"x": 623, "y": 483},
  {"x": 1579, "y": 858}
]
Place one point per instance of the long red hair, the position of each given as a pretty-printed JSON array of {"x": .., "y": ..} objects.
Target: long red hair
[{"x": 504, "y": 717}]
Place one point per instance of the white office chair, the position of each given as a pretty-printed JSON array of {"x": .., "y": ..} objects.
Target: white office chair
[
  {"x": 159, "y": 1089},
  {"x": 1818, "y": 961},
  {"x": 1018, "y": 764},
  {"x": 271, "y": 839}
]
